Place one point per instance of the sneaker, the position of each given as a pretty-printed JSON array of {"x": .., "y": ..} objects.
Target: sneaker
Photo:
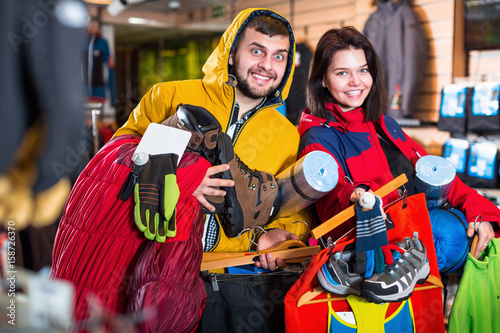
[
  {"x": 397, "y": 281},
  {"x": 334, "y": 275},
  {"x": 253, "y": 199}
]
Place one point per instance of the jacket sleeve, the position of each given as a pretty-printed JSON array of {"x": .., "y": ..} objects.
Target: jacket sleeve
[
  {"x": 415, "y": 59},
  {"x": 154, "y": 107},
  {"x": 461, "y": 196},
  {"x": 471, "y": 203},
  {"x": 339, "y": 198}
]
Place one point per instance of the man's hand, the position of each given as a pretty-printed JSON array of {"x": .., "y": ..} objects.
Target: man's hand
[
  {"x": 485, "y": 234},
  {"x": 269, "y": 240},
  {"x": 210, "y": 186}
]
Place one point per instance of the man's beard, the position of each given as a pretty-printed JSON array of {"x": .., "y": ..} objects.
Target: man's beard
[{"x": 246, "y": 89}]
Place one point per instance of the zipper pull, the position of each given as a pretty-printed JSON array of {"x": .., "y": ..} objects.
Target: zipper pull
[{"x": 129, "y": 185}]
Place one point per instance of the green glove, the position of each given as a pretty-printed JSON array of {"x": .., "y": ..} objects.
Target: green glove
[{"x": 156, "y": 194}]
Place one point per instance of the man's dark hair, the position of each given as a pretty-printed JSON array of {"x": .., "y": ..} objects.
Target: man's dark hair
[
  {"x": 267, "y": 25},
  {"x": 330, "y": 43}
]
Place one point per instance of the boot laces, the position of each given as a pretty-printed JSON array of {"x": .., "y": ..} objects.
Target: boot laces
[{"x": 249, "y": 173}]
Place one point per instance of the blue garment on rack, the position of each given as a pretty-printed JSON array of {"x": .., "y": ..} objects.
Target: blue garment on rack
[{"x": 98, "y": 69}]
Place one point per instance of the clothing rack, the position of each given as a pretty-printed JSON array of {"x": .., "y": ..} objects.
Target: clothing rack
[{"x": 93, "y": 115}]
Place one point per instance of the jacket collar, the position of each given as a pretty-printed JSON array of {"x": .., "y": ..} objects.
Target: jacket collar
[
  {"x": 342, "y": 121},
  {"x": 348, "y": 119}
]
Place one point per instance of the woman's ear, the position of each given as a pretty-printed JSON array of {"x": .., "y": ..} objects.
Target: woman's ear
[{"x": 323, "y": 82}]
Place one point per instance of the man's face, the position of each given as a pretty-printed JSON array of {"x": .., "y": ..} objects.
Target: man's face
[{"x": 259, "y": 63}]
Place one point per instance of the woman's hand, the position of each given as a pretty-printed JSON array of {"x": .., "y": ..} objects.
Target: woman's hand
[
  {"x": 485, "y": 234},
  {"x": 358, "y": 192},
  {"x": 210, "y": 186}
]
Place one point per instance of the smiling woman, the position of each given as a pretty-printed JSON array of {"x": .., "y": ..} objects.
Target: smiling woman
[
  {"x": 348, "y": 79},
  {"x": 347, "y": 99}
]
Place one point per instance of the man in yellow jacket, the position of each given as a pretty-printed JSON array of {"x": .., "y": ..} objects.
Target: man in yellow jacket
[{"x": 246, "y": 78}]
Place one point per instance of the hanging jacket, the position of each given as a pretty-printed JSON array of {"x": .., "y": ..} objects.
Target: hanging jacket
[
  {"x": 402, "y": 47},
  {"x": 98, "y": 69},
  {"x": 97, "y": 244},
  {"x": 355, "y": 145},
  {"x": 267, "y": 141}
]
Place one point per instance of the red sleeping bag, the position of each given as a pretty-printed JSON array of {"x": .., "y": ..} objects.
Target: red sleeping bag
[{"x": 98, "y": 245}]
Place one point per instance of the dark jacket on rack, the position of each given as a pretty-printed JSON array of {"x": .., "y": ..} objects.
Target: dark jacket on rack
[
  {"x": 355, "y": 145},
  {"x": 398, "y": 39},
  {"x": 98, "y": 69}
]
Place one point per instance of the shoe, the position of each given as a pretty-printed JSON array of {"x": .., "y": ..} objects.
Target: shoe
[
  {"x": 205, "y": 130},
  {"x": 253, "y": 199},
  {"x": 334, "y": 275},
  {"x": 202, "y": 125},
  {"x": 397, "y": 281}
]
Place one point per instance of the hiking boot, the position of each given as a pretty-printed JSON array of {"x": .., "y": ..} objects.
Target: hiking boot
[
  {"x": 397, "y": 281},
  {"x": 202, "y": 125},
  {"x": 334, "y": 275},
  {"x": 205, "y": 130},
  {"x": 253, "y": 199}
]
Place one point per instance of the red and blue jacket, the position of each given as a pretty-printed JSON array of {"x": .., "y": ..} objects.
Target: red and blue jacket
[{"x": 355, "y": 145}]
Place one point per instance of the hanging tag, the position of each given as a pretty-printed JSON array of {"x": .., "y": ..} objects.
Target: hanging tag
[
  {"x": 396, "y": 99},
  {"x": 405, "y": 204}
]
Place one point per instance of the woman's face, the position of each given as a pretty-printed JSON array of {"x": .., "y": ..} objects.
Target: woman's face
[{"x": 348, "y": 79}]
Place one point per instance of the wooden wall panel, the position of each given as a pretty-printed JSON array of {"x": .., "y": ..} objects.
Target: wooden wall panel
[
  {"x": 441, "y": 47},
  {"x": 433, "y": 82},
  {"x": 434, "y": 10},
  {"x": 438, "y": 29},
  {"x": 318, "y": 6}
]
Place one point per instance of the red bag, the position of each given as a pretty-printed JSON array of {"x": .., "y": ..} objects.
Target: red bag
[{"x": 409, "y": 215}]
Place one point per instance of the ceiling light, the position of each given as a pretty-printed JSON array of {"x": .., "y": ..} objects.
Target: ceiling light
[
  {"x": 174, "y": 5},
  {"x": 99, "y": 2},
  {"x": 140, "y": 20},
  {"x": 117, "y": 6}
]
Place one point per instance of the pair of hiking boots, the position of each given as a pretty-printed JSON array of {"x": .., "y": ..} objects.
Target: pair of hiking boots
[{"x": 254, "y": 199}]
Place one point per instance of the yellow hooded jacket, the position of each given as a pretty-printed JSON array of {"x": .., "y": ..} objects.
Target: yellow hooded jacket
[{"x": 267, "y": 141}]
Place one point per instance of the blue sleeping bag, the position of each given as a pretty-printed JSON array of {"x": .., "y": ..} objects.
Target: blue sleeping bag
[{"x": 449, "y": 230}]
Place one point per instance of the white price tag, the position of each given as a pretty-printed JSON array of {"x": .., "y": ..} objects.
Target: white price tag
[{"x": 161, "y": 139}]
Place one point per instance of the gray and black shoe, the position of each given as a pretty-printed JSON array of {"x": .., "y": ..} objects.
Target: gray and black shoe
[
  {"x": 335, "y": 275},
  {"x": 397, "y": 281}
]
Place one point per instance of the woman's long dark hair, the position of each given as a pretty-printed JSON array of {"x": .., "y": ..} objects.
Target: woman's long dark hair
[{"x": 343, "y": 39}]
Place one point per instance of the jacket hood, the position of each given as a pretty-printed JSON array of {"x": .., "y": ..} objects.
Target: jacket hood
[
  {"x": 390, "y": 6},
  {"x": 338, "y": 119},
  {"x": 216, "y": 68}
]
